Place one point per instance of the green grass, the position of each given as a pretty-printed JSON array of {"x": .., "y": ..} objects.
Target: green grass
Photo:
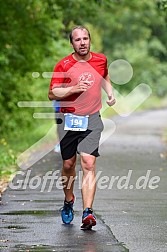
[{"x": 11, "y": 146}]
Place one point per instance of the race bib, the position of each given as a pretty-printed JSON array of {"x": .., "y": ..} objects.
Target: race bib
[{"x": 75, "y": 123}]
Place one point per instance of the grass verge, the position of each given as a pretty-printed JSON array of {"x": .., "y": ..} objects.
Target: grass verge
[{"x": 11, "y": 146}]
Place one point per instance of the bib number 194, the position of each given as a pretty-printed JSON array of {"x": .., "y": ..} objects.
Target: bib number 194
[{"x": 75, "y": 123}]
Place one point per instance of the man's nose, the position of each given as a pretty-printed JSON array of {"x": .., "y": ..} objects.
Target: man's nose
[{"x": 82, "y": 41}]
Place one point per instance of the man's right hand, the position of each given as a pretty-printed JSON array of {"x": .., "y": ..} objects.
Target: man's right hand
[{"x": 82, "y": 86}]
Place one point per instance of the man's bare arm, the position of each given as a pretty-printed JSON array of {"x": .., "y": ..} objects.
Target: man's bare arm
[
  {"x": 106, "y": 85},
  {"x": 61, "y": 93}
]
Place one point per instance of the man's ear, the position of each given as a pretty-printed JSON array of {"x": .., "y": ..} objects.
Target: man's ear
[{"x": 71, "y": 45}]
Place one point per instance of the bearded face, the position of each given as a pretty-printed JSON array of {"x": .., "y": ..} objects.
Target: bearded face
[{"x": 81, "y": 42}]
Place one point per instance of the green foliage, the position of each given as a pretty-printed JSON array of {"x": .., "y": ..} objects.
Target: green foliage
[
  {"x": 9, "y": 157},
  {"x": 26, "y": 33},
  {"x": 34, "y": 37},
  {"x": 136, "y": 31},
  {"x": 162, "y": 4}
]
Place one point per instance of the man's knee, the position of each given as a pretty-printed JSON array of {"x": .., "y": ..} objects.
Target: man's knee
[
  {"x": 88, "y": 163},
  {"x": 68, "y": 164}
]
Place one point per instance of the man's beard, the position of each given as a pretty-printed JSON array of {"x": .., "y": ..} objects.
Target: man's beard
[{"x": 84, "y": 52}]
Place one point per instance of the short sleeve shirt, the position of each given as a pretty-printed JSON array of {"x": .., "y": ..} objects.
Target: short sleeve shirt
[{"x": 68, "y": 72}]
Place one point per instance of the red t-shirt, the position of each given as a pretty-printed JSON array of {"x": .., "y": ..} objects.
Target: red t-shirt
[{"x": 68, "y": 72}]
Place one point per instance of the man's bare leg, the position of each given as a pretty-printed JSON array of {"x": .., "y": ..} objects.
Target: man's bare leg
[
  {"x": 68, "y": 172},
  {"x": 88, "y": 179}
]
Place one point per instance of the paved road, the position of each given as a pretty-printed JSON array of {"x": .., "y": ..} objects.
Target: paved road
[
  {"x": 137, "y": 217},
  {"x": 130, "y": 218}
]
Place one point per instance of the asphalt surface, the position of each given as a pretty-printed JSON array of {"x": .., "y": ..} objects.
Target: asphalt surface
[{"x": 130, "y": 202}]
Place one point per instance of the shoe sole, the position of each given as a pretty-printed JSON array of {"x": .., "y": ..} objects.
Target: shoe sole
[
  {"x": 88, "y": 222},
  {"x": 85, "y": 227}
]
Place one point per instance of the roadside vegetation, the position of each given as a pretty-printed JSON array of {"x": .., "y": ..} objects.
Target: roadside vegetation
[{"x": 34, "y": 36}]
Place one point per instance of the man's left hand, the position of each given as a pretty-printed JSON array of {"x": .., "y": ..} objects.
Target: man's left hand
[{"x": 111, "y": 100}]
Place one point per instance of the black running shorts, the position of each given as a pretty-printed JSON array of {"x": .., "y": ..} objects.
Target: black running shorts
[{"x": 72, "y": 142}]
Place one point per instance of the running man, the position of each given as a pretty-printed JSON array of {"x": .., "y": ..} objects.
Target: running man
[{"x": 77, "y": 82}]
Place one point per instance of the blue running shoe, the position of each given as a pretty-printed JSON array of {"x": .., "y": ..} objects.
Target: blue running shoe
[
  {"x": 88, "y": 219},
  {"x": 67, "y": 212}
]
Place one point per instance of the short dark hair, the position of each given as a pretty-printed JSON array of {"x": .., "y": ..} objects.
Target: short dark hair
[{"x": 81, "y": 28}]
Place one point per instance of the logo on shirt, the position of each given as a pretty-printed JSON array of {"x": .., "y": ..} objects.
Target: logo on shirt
[
  {"x": 66, "y": 61},
  {"x": 88, "y": 78}
]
